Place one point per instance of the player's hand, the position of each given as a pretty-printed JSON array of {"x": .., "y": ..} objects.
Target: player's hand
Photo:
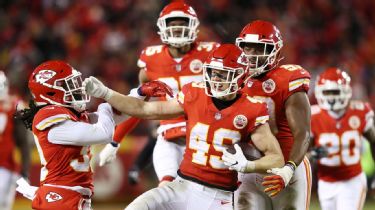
[
  {"x": 108, "y": 153},
  {"x": 155, "y": 89},
  {"x": 236, "y": 161},
  {"x": 318, "y": 152},
  {"x": 278, "y": 181},
  {"x": 94, "y": 87}
]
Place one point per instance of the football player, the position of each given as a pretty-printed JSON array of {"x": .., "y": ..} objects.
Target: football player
[
  {"x": 337, "y": 125},
  {"x": 215, "y": 119},
  {"x": 12, "y": 134},
  {"x": 177, "y": 62},
  {"x": 63, "y": 133},
  {"x": 284, "y": 88}
]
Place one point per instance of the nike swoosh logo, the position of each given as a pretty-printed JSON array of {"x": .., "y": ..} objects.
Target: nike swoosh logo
[
  {"x": 290, "y": 183},
  {"x": 224, "y": 202},
  {"x": 235, "y": 163}
]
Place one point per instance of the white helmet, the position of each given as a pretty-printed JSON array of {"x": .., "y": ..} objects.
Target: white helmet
[
  {"x": 332, "y": 90},
  {"x": 186, "y": 34}
]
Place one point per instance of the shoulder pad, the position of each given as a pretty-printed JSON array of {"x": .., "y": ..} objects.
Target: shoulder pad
[
  {"x": 51, "y": 115},
  {"x": 208, "y": 46},
  {"x": 254, "y": 100}
]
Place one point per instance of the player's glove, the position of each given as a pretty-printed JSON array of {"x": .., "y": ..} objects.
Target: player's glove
[
  {"x": 318, "y": 152},
  {"x": 94, "y": 87},
  {"x": 279, "y": 180},
  {"x": 108, "y": 153},
  {"x": 155, "y": 89},
  {"x": 237, "y": 161}
]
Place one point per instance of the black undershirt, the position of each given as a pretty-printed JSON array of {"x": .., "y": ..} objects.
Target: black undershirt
[{"x": 221, "y": 104}]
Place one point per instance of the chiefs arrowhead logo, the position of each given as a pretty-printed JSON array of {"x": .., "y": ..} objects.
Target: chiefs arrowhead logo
[
  {"x": 240, "y": 121},
  {"x": 52, "y": 197},
  {"x": 44, "y": 75},
  {"x": 268, "y": 86}
]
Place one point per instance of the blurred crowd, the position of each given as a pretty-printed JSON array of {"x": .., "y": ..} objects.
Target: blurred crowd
[{"x": 105, "y": 37}]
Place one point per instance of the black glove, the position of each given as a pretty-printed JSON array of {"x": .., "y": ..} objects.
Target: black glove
[{"x": 319, "y": 152}]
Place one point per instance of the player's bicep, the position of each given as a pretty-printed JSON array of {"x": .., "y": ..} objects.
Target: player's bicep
[
  {"x": 265, "y": 141},
  {"x": 298, "y": 112}
]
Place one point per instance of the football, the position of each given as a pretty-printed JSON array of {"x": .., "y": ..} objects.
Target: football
[{"x": 249, "y": 150}]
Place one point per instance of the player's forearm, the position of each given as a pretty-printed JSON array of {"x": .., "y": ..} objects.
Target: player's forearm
[
  {"x": 300, "y": 147},
  {"x": 76, "y": 133},
  {"x": 128, "y": 105},
  {"x": 25, "y": 158},
  {"x": 370, "y": 136},
  {"x": 156, "y": 110},
  {"x": 267, "y": 162}
]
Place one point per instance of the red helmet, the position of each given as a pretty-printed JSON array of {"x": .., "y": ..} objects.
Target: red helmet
[
  {"x": 222, "y": 68},
  {"x": 178, "y": 36},
  {"x": 56, "y": 82},
  {"x": 332, "y": 89},
  {"x": 4, "y": 86},
  {"x": 268, "y": 37}
]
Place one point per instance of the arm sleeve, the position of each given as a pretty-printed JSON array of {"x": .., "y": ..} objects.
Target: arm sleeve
[
  {"x": 84, "y": 134},
  {"x": 369, "y": 118},
  {"x": 79, "y": 133}
]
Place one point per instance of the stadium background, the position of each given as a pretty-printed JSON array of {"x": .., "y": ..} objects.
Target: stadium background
[{"x": 105, "y": 37}]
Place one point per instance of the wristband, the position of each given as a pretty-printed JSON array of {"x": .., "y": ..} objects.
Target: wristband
[
  {"x": 114, "y": 144},
  {"x": 292, "y": 164},
  {"x": 108, "y": 94},
  {"x": 250, "y": 166}
]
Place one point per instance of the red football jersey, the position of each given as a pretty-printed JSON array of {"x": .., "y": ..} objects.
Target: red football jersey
[
  {"x": 210, "y": 131},
  {"x": 274, "y": 88},
  {"x": 7, "y": 110},
  {"x": 342, "y": 138},
  {"x": 65, "y": 165},
  {"x": 160, "y": 65}
]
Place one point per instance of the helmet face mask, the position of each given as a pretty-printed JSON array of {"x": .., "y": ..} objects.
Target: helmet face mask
[
  {"x": 332, "y": 90},
  {"x": 56, "y": 82},
  {"x": 178, "y": 24},
  {"x": 4, "y": 86},
  {"x": 261, "y": 43},
  {"x": 222, "y": 81},
  {"x": 222, "y": 72}
]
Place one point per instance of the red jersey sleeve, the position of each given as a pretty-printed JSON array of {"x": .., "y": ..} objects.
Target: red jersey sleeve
[
  {"x": 52, "y": 115},
  {"x": 369, "y": 117},
  {"x": 299, "y": 79},
  {"x": 261, "y": 117},
  {"x": 188, "y": 93}
]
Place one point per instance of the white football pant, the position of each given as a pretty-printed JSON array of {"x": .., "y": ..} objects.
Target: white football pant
[
  {"x": 296, "y": 195},
  {"x": 7, "y": 188},
  {"x": 343, "y": 195},
  {"x": 182, "y": 194},
  {"x": 167, "y": 157}
]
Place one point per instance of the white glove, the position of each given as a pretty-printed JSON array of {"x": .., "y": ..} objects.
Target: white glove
[
  {"x": 94, "y": 87},
  {"x": 108, "y": 154},
  {"x": 279, "y": 179},
  {"x": 237, "y": 161}
]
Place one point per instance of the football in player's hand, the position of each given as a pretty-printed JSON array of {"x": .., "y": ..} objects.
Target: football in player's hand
[{"x": 249, "y": 150}]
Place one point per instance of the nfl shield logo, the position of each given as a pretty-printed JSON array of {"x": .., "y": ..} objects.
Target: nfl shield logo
[{"x": 178, "y": 67}]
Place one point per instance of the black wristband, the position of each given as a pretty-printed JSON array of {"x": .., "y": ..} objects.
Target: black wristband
[
  {"x": 139, "y": 91},
  {"x": 114, "y": 144}
]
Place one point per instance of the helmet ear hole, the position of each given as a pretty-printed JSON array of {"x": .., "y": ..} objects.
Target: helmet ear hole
[{"x": 50, "y": 93}]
